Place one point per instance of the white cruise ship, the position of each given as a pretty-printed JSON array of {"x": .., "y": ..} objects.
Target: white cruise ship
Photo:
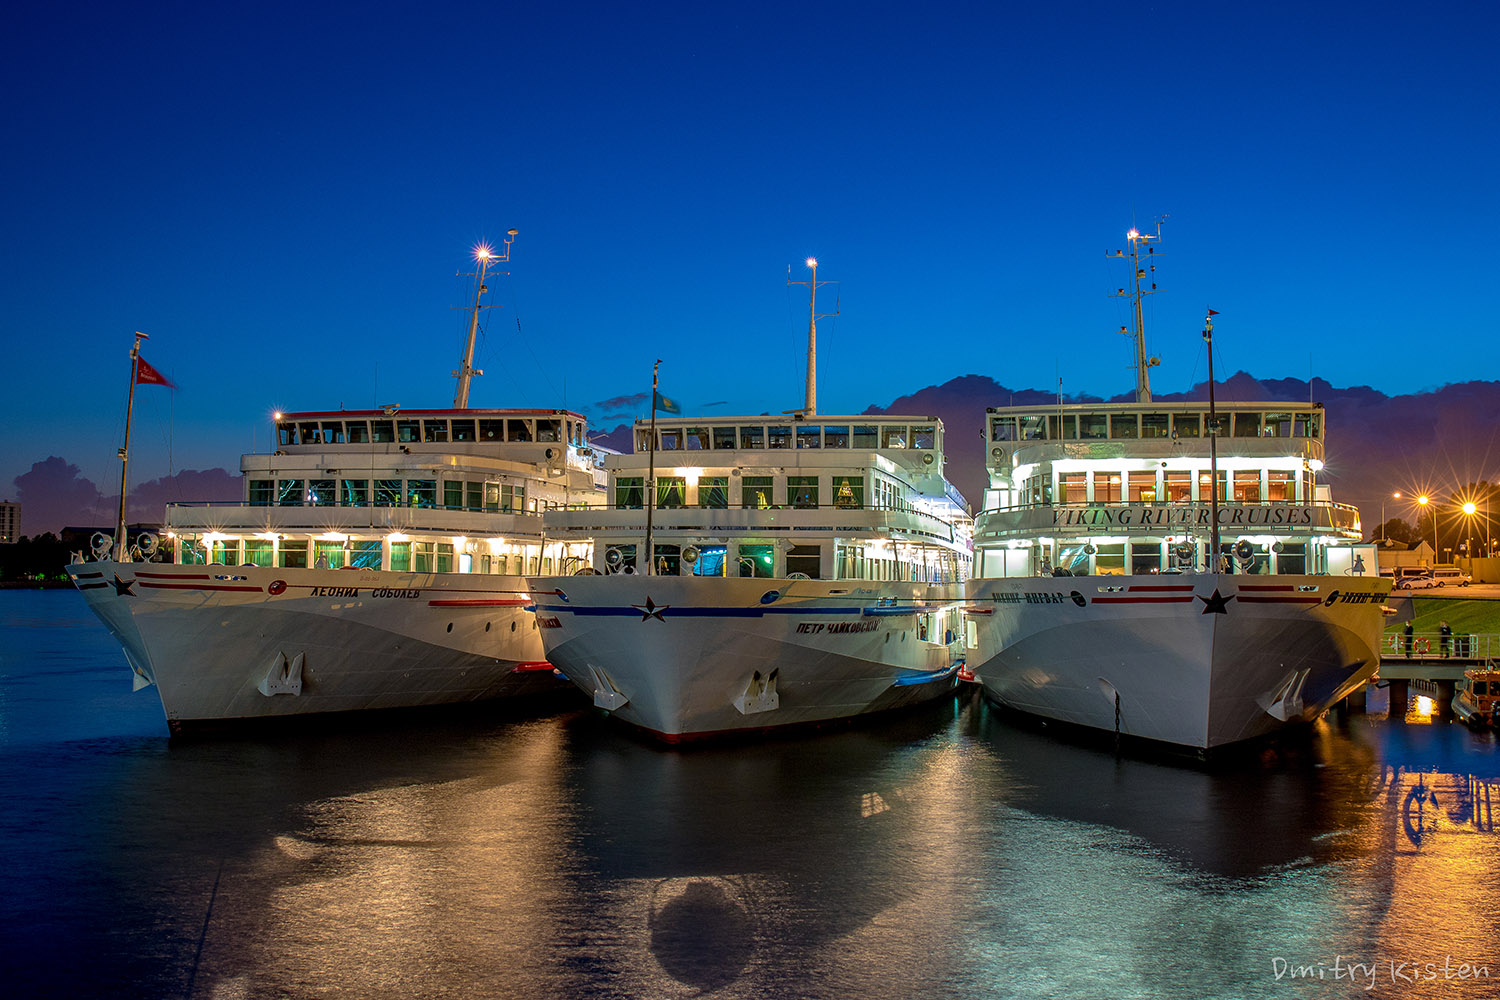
[
  {"x": 801, "y": 568},
  {"x": 1098, "y": 599},
  {"x": 377, "y": 561}
]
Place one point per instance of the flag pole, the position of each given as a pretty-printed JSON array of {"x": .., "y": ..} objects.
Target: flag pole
[
  {"x": 651, "y": 472},
  {"x": 1213, "y": 446},
  {"x": 122, "y": 547}
]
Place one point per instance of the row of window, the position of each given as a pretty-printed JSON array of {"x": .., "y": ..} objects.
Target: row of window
[
  {"x": 756, "y": 492},
  {"x": 762, "y": 436},
  {"x": 1167, "y": 486},
  {"x": 456, "y": 494},
  {"x": 756, "y": 559},
  {"x": 431, "y": 430},
  {"x": 414, "y": 557},
  {"x": 1094, "y": 426},
  {"x": 1140, "y": 557}
]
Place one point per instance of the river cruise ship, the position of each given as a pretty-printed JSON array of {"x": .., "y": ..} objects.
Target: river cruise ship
[
  {"x": 376, "y": 561},
  {"x": 781, "y": 570},
  {"x": 1175, "y": 571}
]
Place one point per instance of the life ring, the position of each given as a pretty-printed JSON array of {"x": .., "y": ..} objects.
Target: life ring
[
  {"x": 1393, "y": 642},
  {"x": 1422, "y": 645}
]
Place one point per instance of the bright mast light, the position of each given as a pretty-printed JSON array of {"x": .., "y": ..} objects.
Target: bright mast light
[
  {"x": 484, "y": 252},
  {"x": 812, "y": 262}
]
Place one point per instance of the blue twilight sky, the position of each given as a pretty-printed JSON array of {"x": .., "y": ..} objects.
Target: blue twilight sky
[{"x": 281, "y": 194}]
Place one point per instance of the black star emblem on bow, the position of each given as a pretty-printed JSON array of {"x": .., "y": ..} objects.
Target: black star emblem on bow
[
  {"x": 651, "y": 609},
  {"x": 1215, "y": 605},
  {"x": 122, "y": 587}
]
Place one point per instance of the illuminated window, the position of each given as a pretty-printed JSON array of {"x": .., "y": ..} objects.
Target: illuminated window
[
  {"x": 1107, "y": 487},
  {"x": 848, "y": 493},
  {"x": 1143, "y": 487},
  {"x": 1247, "y": 486},
  {"x": 671, "y": 491},
  {"x": 802, "y": 491},
  {"x": 1179, "y": 485},
  {"x": 387, "y": 492},
  {"x": 756, "y": 491},
  {"x": 328, "y": 555},
  {"x": 401, "y": 557},
  {"x": 259, "y": 551},
  {"x": 630, "y": 493},
  {"x": 289, "y": 493},
  {"x": 260, "y": 492},
  {"x": 421, "y": 492},
  {"x": 365, "y": 553},
  {"x": 226, "y": 551},
  {"x": 755, "y": 561},
  {"x": 321, "y": 492},
  {"x": 1072, "y": 487},
  {"x": 1279, "y": 486},
  {"x": 713, "y": 491},
  {"x": 1110, "y": 560}
]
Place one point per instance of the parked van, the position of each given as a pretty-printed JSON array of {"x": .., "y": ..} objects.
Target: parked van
[
  {"x": 1414, "y": 578},
  {"x": 1450, "y": 576}
]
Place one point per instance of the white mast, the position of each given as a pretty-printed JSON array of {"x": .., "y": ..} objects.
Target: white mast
[
  {"x": 486, "y": 256},
  {"x": 810, "y": 408},
  {"x": 1138, "y": 272},
  {"x": 122, "y": 544}
]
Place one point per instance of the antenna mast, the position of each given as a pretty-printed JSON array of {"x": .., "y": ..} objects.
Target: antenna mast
[
  {"x": 486, "y": 256},
  {"x": 1138, "y": 272},
  {"x": 810, "y": 408}
]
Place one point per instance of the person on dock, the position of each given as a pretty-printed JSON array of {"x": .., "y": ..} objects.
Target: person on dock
[
  {"x": 1406, "y": 634},
  {"x": 1445, "y": 638}
]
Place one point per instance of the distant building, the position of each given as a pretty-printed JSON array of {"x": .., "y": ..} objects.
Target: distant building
[{"x": 10, "y": 521}]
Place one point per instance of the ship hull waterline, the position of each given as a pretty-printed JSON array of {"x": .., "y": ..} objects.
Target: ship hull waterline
[
  {"x": 229, "y": 645},
  {"x": 692, "y": 658},
  {"x": 1197, "y": 662}
]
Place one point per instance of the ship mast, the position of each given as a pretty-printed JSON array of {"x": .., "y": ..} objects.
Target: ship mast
[
  {"x": 486, "y": 256},
  {"x": 1213, "y": 446},
  {"x": 1140, "y": 270},
  {"x": 810, "y": 407},
  {"x": 122, "y": 544}
]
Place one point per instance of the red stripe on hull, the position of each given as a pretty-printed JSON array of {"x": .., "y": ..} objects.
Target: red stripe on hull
[
  {"x": 196, "y": 586},
  {"x": 1144, "y": 600},
  {"x": 477, "y": 604}
]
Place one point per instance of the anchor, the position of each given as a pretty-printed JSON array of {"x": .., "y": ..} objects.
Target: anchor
[
  {"x": 283, "y": 677},
  {"x": 760, "y": 694}
]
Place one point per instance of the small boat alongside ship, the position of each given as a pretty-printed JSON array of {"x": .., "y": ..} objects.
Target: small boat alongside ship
[
  {"x": 1477, "y": 703},
  {"x": 377, "y": 561},
  {"x": 758, "y": 572},
  {"x": 1173, "y": 571}
]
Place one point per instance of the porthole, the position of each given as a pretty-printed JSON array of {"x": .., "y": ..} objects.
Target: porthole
[
  {"x": 486, "y": 626},
  {"x": 512, "y": 626},
  {"x": 450, "y": 626}
]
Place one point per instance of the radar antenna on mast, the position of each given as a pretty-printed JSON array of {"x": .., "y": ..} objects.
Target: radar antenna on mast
[
  {"x": 1142, "y": 268},
  {"x": 485, "y": 256}
]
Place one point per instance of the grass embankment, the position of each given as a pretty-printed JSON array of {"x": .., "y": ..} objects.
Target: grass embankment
[{"x": 1464, "y": 614}]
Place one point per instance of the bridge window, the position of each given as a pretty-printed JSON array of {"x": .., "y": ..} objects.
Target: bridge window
[
  {"x": 492, "y": 430},
  {"x": 1035, "y": 428},
  {"x": 1187, "y": 425},
  {"x": 809, "y": 437},
  {"x": 1247, "y": 425},
  {"x": 518, "y": 430},
  {"x": 836, "y": 437},
  {"x": 1003, "y": 429},
  {"x": 286, "y": 433},
  {"x": 723, "y": 438},
  {"x": 1278, "y": 425},
  {"x": 382, "y": 431},
  {"x": 1124, "y": 425},
  {"x": 359, "y": 431},
  {"x": 752, "y": 437},
  {"x": 696, "y": 438},
  {"x": 308, "y": 434},
  {"x": 778, "y": 437},
  {"x": 893, "y": 436},
  {"x": 1059, "y": 428},
  {"x": 865, "y": 436},
  {"x": 1308, "y": 425},
  {"x": 549, "y": 430},
  {"x": 463, "y": 430},
  {"x": 1218, "y": 425},
  {"x": 1091, "y": 426},
  {"x": 408, "y": 431},
  {"x": 924, "y": 436},
  {"x": 333, "y": 432},
  {"x": 671, "y": 439},
  {"x": 1155, "y": 425}
]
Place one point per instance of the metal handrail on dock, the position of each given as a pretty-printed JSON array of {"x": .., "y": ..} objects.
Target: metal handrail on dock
[{"x": 1425, "y": 646}]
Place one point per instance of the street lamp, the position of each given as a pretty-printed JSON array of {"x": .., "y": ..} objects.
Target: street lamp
[
  {"x": 1469, "y": 508},
  {"x": 1384, "y": 535}
]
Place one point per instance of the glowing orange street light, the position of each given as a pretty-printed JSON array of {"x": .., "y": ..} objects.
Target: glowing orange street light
[{"x": 1422, "y": 501}]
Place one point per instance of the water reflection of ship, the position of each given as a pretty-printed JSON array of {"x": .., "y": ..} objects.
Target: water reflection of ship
[
  {"x": 753, "y": 869},
  {"x": 1250, "y": 814}
]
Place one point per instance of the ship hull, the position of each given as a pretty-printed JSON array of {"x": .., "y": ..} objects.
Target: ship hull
[
  {"x": 233, "y": 644},
  {"x": 1197, "y": 662},
  {"x": 693, "y": 657}
]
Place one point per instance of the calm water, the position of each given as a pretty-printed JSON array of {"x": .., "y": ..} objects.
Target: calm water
[{"x": 945, "y": 853}]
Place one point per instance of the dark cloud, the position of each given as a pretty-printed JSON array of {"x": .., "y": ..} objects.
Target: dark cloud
[
  {"x": 621, "y": 404},
  {"x": 53, "y": 495}
]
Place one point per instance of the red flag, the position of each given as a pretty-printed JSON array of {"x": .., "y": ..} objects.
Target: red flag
[
  {"x": 146, "y": 375},
  {"x": 1213, "y": 312}
]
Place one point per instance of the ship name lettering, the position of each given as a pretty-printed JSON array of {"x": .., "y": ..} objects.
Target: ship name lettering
[
  {"x": 1043, "y": 598},
  {"x": 836, "y": 628},
  {"x": 395, "y": 592},
  {"x": 335, "y": 592}
]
